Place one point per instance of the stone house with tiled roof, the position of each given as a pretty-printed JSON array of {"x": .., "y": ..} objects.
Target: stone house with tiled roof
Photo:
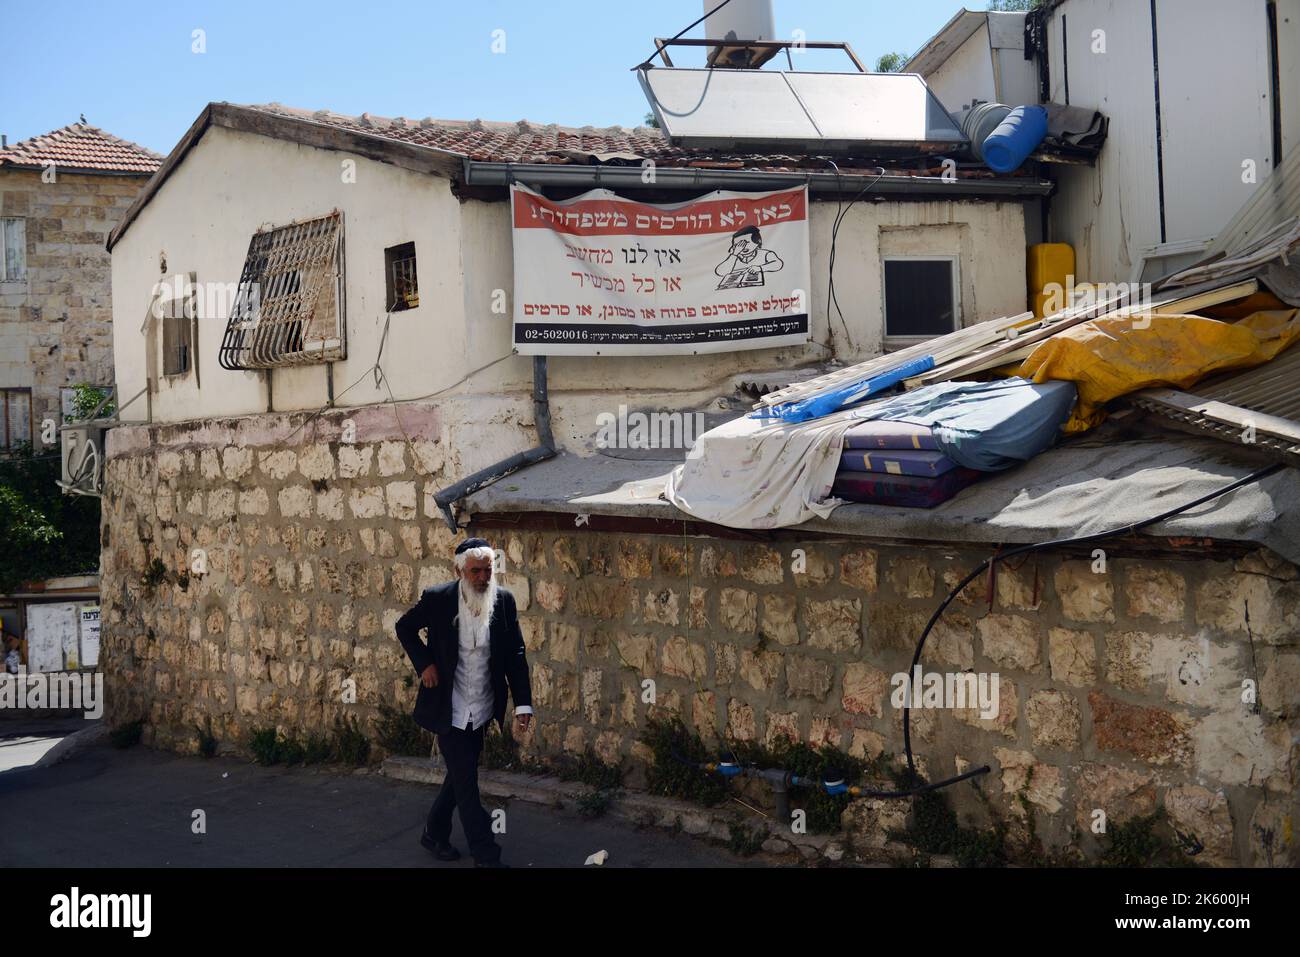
[
  {"x": 60, "y": 194},
  {"x": 440, "y": 188}
]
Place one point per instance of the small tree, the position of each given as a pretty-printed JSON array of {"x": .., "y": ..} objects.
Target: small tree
[
  {"x": 891, "y": 62},
  {"x": 1013, "y": 6},
  {"x": 45, "y": 533},
  {"x": 86, "y": 399},
  {"x": 651, "y": 121}
]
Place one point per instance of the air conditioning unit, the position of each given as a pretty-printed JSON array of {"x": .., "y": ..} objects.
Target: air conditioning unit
[{"x": 83, "y": 458}]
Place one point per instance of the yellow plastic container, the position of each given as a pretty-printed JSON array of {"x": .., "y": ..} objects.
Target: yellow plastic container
[{"x": 1050, "y": 271}]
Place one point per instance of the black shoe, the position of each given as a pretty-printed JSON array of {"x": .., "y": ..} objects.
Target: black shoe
[{"x": 443, "y": 852}]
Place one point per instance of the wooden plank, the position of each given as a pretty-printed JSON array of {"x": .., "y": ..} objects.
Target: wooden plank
[
  {"x": 943, "y": 374},
  {"x": 1058, "y": 322},
  {"x": 1172, "y": 304},
  {"x": 958, "y": 342}
]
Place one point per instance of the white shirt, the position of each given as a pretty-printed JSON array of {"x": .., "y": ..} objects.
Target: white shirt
[
  {"x": 471, "y": 690},
  {"x": 472, "y": 698}
]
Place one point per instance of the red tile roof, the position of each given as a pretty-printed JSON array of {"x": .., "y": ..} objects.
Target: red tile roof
[
  {"x": 525, "y": 142},
  {"x": 80, "y": 146}
]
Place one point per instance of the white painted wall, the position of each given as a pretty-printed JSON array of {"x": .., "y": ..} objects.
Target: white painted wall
[
  {"x": 1016, "y": 79},
  {"x": 989, "y": 66},
  {"x": 202, "y": 219},
  {"x": 231, "y": 183},
  {"x": 1215, "y": 114},
  {"x": 967, "y": 75},
  {"x": 996, "y": 287},
  {"x": 1288, "y": 28}
]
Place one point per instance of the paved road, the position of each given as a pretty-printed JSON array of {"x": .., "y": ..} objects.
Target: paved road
[
  {"x": 25, "y": 741},
  {"x": 108, "y": 808}
]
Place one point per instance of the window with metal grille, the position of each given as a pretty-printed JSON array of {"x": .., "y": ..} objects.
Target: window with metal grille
[
  {"x": 13, "y": 250},
  {"x": 921, "y": 298},
  {"x": 15, "y": 417},
  {"x": 289, "y": 306},
  {"x": 178, "y": 332},
  {"x": 399, "y": 269}
]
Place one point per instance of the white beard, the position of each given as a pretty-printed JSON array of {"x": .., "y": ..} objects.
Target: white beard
[{"x": 478, "y": 606}]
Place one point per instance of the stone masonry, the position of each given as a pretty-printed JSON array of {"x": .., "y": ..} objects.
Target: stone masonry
[
  {"x": 1126, "y": 683},
  {"x": 56, "y": 327}
]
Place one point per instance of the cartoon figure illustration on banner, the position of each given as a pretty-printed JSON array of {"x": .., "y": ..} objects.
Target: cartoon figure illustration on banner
[{"x": 746, "y": 260}]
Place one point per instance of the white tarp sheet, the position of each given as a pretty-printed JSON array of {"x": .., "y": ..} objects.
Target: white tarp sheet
[{"x": 762, "y": 473}]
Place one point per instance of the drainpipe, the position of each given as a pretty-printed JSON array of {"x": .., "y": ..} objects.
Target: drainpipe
[{"x": 485, "y": 477}]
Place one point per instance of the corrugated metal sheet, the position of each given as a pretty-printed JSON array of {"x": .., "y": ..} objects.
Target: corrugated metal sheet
[
  {"x": 1273, "y": 388},
  {"x": 1276, "y": 200},
  {"x": 1262, "y": 403}
]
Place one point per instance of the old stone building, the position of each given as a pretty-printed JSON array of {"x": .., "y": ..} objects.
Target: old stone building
[
  {"x": 265, "y": 527},
  {"x": 60, "y": 194},
  {"x": 1120, "y": 681}
]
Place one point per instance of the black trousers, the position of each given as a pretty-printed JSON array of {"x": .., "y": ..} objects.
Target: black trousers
[{"x": 460, "y": 751}]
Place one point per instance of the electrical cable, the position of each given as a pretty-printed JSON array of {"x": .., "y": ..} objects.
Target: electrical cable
[
  {"x": 734, "y": 768},
  {"x": 659, "y": 51},
  {"x": 1038, "y": 546},
  {"x": 377, "y": 372},
  {"x": 842, "y": 211}
]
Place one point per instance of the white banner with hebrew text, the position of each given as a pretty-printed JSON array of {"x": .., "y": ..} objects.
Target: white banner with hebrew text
[{"x": 600, "y": 274}]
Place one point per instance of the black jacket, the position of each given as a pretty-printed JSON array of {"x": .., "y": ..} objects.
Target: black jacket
[{"x": 438, "y": 611}]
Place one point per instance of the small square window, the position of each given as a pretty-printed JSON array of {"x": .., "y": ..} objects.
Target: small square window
[
  {"x": 921, "y": 297},
  {"x": 400, "y": 278},
  {"x": 13, "y": 250}
]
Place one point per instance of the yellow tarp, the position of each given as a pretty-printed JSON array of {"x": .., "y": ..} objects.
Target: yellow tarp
[{"x": 1107, "y": 358}]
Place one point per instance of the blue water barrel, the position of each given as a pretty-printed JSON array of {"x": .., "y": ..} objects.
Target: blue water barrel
[
  {"x": 979, "y": 122},
  {"x": 1015, "y": 138}
]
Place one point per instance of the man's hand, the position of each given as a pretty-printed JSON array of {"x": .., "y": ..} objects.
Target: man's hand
[
  {"x": 522, "y": 722},
  {"x": 429, "y": 676}
]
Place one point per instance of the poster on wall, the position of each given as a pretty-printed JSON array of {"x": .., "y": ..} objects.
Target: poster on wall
[
  {"x": 51, "y": 636},
  {"x": 600, "y": 274},
  {"x": 89, "y": 636}
]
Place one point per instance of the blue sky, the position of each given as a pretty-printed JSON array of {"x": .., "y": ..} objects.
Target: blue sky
[{"x": 129, "y": 67}]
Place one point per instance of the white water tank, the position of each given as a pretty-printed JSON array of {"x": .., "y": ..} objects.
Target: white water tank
[{"x": 740, "y": 20}]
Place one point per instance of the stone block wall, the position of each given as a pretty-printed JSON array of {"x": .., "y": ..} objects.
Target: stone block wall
[
  {"x": 1126, "y": 683},
  {"x": 56, "y": 327}
]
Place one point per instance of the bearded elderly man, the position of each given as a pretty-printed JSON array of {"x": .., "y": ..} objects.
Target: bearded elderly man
[{"x": 473, "y": 651}]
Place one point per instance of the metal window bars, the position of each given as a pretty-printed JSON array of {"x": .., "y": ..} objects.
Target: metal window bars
[
  {"x": 402, "y": 279},
  {"x": 289, "y": 308}
]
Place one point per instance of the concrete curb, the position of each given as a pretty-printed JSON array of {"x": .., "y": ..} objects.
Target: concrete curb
[
  {"x": 70, "y": 745},
  {"x": 633, "y": 807}
]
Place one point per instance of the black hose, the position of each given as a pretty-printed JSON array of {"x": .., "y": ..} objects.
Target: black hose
[
  {"x": 1025, "y": 549},
  {"x": 984, "y": 565}
]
